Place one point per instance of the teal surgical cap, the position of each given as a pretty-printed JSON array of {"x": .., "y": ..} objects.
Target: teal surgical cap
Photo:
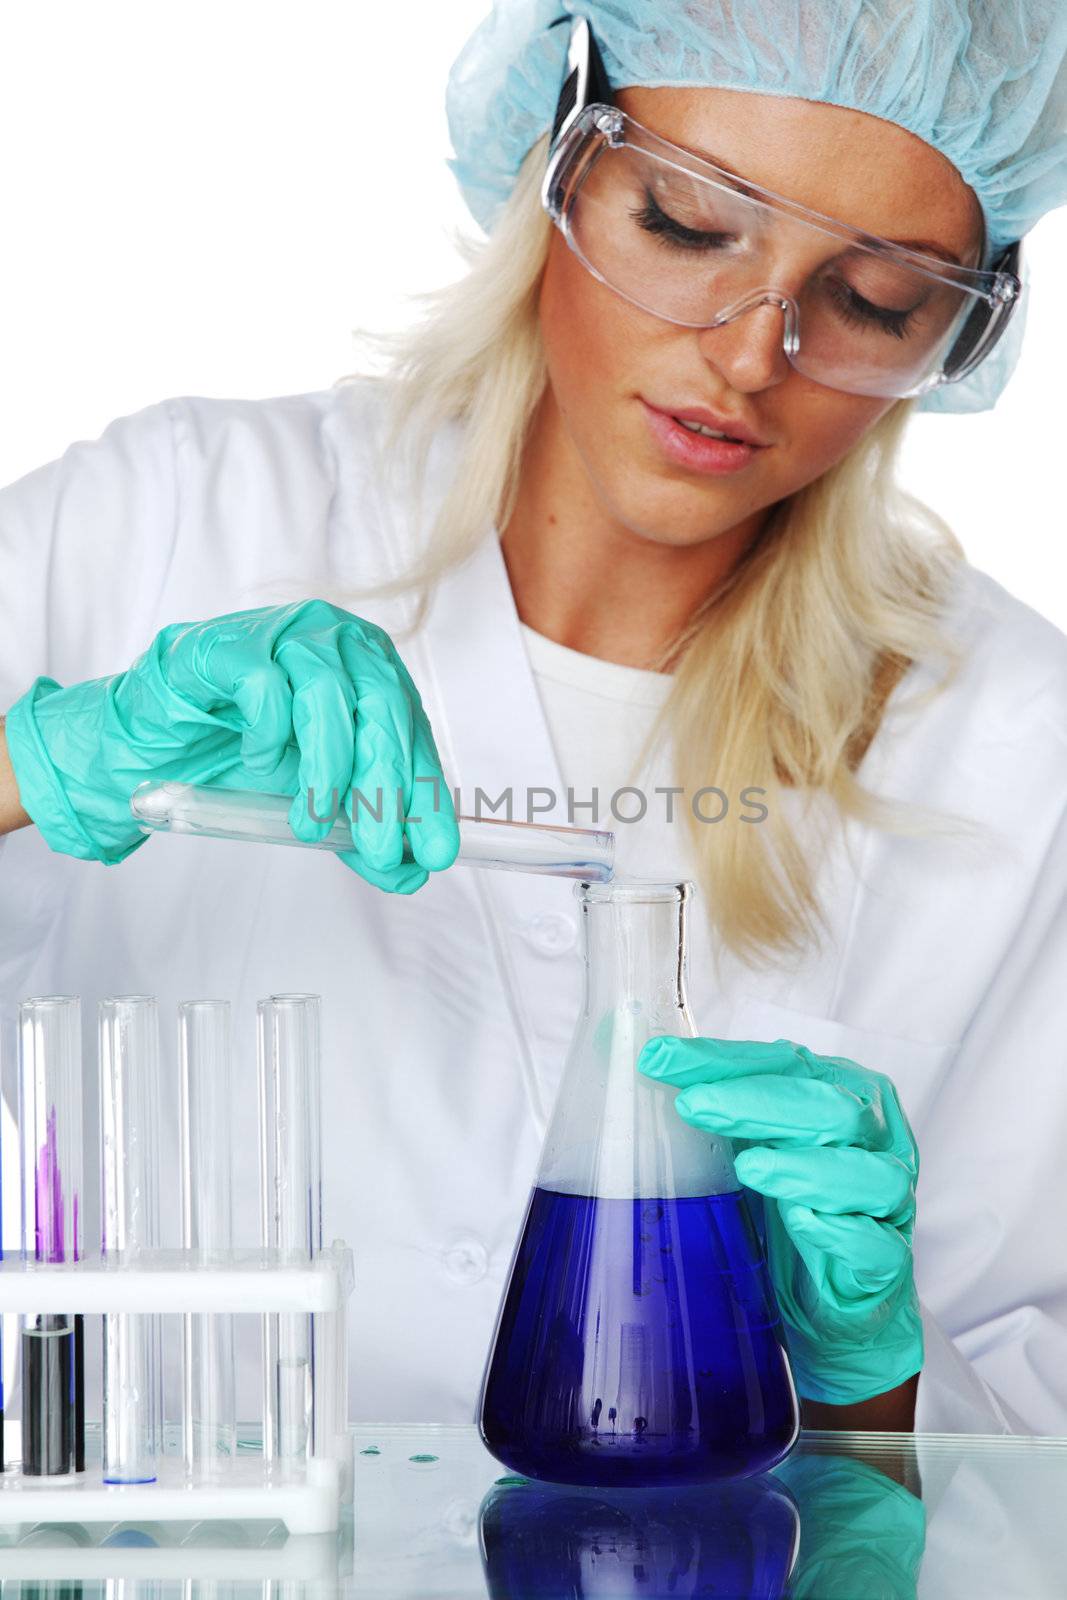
[{"x": 983, "y": 81}]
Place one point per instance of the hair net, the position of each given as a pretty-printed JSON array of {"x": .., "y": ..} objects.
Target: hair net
[{"x": 983, "y": 81}]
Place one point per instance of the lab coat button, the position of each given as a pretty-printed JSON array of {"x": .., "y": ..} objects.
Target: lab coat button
[
  {"x": 467, "y": 1262},
  {"x": 552, "y": 933}
]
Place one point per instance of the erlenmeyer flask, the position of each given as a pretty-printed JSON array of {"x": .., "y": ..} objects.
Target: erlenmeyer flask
[{"x": 639, "y": 1339}]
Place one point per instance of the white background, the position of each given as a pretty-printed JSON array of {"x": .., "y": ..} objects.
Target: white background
[{"x": 208, "y": 197}]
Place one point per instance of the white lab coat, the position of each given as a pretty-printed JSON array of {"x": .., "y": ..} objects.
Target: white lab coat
[{"x": 447, "y": 1013}]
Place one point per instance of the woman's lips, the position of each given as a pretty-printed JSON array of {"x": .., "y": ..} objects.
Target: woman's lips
[{"x": 696, "y": 451}]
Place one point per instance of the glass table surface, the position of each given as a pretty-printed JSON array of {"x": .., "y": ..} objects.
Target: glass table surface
[{"x": 433, "y": 1515}]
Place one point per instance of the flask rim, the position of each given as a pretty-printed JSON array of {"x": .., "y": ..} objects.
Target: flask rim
[{"x": 634, "y": 891}]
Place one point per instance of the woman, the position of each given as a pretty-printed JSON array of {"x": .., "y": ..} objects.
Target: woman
[{"x": 772, "y": 635}]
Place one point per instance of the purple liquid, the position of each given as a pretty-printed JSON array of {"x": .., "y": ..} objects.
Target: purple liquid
[{"x": 639, "y": 1343}]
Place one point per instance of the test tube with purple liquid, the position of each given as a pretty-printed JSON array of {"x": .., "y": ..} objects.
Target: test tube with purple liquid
[{"x": 50, "y": 1124}]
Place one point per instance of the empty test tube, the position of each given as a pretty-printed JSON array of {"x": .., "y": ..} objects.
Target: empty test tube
[
  {"x": 583, "y": 853},
  {"x": 209, "y": 1429},
  {"x": 50, "y": 1138},
  {"x": 290, "y": 1121},
  {"x": 129, "y": 1218}
]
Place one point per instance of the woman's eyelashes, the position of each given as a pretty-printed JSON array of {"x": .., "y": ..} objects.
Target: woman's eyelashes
[
  {"x": 652, "y": 218},
  {"x": 853, "y": 308}
]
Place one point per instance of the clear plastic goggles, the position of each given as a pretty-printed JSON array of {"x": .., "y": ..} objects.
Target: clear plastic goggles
[{"x": 690, "y": 242}]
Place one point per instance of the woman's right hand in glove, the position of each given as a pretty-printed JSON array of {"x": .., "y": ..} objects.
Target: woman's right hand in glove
[{"x": 302, "y": 699}]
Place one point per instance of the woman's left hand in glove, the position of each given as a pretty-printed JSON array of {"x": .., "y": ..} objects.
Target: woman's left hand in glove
[{"x": 829, "y": 1142}]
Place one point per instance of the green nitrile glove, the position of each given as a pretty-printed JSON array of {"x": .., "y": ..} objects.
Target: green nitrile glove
[
  {"x": 832, "y": 1146},
  {"x": 302, "y": 699}
]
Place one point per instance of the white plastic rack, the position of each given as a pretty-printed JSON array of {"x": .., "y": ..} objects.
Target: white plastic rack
[{"x": 306, "y": 1497}]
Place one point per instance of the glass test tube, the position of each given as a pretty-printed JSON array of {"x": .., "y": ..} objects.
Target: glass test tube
[
  {"x": 50, "y": 1139},
  {"x": 290, "y": 1123},
  {"x": 129, "y": 1224},
  {"x": 209, "y": 1427},
  {"x": 586, "y": 854}
]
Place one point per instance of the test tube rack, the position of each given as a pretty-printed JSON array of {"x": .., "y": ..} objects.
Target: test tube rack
[{"x": 306, "y": 1496}]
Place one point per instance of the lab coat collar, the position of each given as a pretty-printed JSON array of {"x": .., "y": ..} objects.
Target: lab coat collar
[
  {"x": 470, "y": 665},
  {"x": 496, "y": 725},
  {"x": 493, "y": 736}
]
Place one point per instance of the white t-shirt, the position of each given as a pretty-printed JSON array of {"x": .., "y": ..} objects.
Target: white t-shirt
[{"x": 600, "y": 716}]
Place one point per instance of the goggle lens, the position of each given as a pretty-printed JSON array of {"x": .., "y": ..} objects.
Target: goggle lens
[{"x": 700, "y": 252}]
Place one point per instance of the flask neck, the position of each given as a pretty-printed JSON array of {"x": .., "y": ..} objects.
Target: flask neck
[
  {"x": 614, "y": 1131},
  {"x": 635, "y": 953}
]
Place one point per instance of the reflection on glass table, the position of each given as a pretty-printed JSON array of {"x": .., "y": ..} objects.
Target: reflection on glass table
[
  {"x": 881, "y": 1517},
  {"x": 847, "y": 1516}
]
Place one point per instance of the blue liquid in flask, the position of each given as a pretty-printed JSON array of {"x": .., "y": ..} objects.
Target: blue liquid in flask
[{"x": 639, "y": 1343}]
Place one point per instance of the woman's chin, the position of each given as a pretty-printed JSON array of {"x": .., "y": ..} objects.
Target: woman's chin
[{"x": 679, "y": 521}]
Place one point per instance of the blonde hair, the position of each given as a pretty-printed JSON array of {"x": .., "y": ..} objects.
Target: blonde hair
[{"x": 797, "y": 652}]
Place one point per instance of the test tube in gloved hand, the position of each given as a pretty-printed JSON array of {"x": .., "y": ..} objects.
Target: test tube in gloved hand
[{"x": 205, "y": 812}]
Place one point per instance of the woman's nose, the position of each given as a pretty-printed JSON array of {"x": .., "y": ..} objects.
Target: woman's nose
[{"x": 748, "y": 347}]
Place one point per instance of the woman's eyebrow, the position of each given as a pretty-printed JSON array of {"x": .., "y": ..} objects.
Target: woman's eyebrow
[
  {"x": 924, "y": 246},
  {"x": 928, "y": 247}
]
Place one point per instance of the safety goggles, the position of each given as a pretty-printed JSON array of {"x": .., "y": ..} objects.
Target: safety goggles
[{"x": 695, "y": 244}]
